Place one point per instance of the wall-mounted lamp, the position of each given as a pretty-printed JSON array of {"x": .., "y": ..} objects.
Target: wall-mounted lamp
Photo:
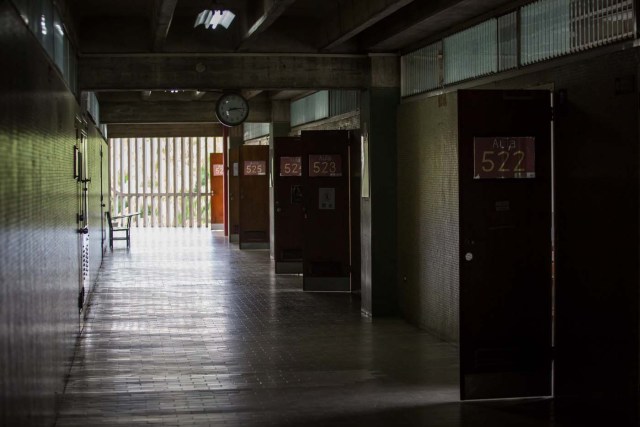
[{"x": 213, "y": 18}]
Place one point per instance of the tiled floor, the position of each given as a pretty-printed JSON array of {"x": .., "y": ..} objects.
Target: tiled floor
[{"x": 185, "y": 329}]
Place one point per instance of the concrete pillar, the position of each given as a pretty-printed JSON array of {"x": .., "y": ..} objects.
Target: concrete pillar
[
  {"x": 379, "y": 104},
  {"x": 280, "y": 126}
]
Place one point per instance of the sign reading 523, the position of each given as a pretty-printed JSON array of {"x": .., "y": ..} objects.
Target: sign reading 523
[
  {"x": 325, "y": 165},
  {"x": 504, "y": 157}
]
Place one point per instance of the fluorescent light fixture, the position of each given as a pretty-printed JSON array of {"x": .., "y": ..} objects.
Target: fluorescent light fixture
[
  {"x": 227, "y": 18},
  {"x": 212, "y": 18},
  {"x": 201, "y": 17}
]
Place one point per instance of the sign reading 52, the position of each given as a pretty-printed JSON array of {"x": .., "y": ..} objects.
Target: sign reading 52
[
  {"x": 504, "y": 157},
  {"x": 290, "y": 166}
]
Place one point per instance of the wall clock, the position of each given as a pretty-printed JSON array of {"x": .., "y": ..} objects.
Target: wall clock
[{"x": 232, "y": 109}]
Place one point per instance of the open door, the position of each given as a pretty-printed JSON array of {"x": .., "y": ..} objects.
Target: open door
[
  {"x": 326, "y": 258},
  {"x": 288, "y": 199},
  {"x": 234, "y": 194},
  {"x": 254, "y": 197},
  {"x": 505, "y": 243},
  {"x": 216, "y": 172}
]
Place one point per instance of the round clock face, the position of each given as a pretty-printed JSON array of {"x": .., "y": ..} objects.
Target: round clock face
[{"x": 232, "y": 109}]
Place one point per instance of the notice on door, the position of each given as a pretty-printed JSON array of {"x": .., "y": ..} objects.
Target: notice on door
[
  {"x": 255, "y": 167},
  {"x": 504, "y": 157},
  {"x": 327, "y": 199},
  {"x": 218, "y": 170}
]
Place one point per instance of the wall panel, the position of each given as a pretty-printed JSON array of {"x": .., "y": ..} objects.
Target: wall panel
[
  {"x": 428, "y": 277},
  {"x": 39, "y": 268}
]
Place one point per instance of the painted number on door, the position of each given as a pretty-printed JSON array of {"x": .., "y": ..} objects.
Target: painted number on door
[
  {"x": 218, "y": 170},
  {"x": 290, "y": 166},
  {"x": 504, "y": 157},
  {"x": 255, "y": 167},
  {"x": 321, "y": 165}
]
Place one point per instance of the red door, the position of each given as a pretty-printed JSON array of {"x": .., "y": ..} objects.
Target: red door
[
  {"x": 326, "y": 258},
  {"x": 254, "y": 197},
  {"x": 505, "y": 243},
  {"x": 216, "y": 172},
  {"x": 288, "y": 200}
]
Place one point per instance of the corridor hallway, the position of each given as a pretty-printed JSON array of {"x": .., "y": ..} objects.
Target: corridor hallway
[{"x": 185, "y": 329}]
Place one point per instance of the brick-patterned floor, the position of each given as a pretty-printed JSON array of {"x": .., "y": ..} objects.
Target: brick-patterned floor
[{"x": 185, "y": 329}]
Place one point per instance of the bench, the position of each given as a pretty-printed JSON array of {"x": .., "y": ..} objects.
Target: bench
[{"x": 120, "y": 224}]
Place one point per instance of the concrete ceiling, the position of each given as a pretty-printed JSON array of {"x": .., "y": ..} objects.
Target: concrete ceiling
[{"x": 145, "y": 39}]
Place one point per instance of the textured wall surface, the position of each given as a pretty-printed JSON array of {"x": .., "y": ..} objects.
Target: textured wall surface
[
  {"x": 39, "y": 267},
  {"x": 428, "y": 276},
  {"x": 596, "y": 164}
]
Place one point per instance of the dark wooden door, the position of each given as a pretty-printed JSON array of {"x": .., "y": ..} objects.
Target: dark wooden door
[
  {"x": 216, "y": 172},
  {"x": 254, "y": 197},
  {"x": 288, "y": 200},
  {"x": 326, "y": 258},
  {"x": 234, "y": 191},
  {"x": 505, "y": 243}
]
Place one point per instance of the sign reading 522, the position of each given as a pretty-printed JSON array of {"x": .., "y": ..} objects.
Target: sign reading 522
[{"x": 504, "y": 157}]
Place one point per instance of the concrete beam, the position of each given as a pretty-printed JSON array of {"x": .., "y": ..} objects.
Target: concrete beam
[
  {"x": 383, "y": 37},
  {"x": 271, "y": 11},
  {"x": 149, "y": 130},
  {"x": 354, "y": 17},
  {"x": 222, "y": 71},
  {"x": 248, "y": 93},
  {"x": 174, "y": 112},
  {"x": 161, "y": 21}
]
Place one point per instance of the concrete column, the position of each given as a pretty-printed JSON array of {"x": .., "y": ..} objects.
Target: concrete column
[
  {"x": 379, "y": 104},
  {"x": 280, "y": 126}
]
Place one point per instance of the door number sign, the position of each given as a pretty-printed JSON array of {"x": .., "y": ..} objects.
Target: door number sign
[
  {"x": 504, "y": 157},
  {"x": 325, "y": 165},
  {"x": 255, "y": 167}
]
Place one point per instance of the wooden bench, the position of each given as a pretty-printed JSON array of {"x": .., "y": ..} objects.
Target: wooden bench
[{"x": 120, "y": 224}]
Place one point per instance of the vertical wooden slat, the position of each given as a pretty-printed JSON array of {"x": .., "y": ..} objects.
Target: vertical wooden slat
[
  {"x": 152, "y": 172},
  {"x": 121, "y": 170},
  {"x": 174, "y": 158},
  {"x": 166, "y": 155},
  {"x": 115, "y": 175},
  {"x": 189, "y": 181},
  {"x": 198, "y": 176},
  {"x": 144, "y": 183},
  {"x": 129, "y": 175},
  {"x": 132, "y": 153},
  {"x": 182, "y": 183},
  {"x": 161, "y": 183}
]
